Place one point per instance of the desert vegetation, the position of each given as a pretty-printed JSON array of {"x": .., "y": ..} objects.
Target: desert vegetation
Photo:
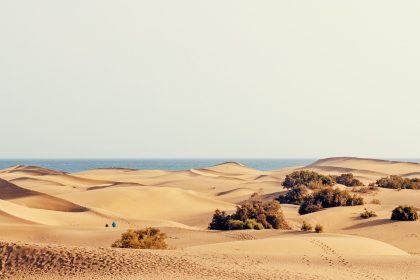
[
  {"x": 367, "y": 214},
  {"x": 252, "y": 214},
  {"x": 148, "y": 238},
  {"x": 308, "y": 179},
  {"x": 319, "y": 228},
  {"x": 296, "y": 195},
  {"x": 306, "y": 226},
  {"x": 327, "y": 198},
  {"x": 404, "y": 213},
  {"x": 398, "y": 182},
  {"x": 348, "y": 180}
]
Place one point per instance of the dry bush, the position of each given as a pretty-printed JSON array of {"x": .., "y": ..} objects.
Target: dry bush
[
  {"x": 319, "y": 228},
  {"x": 148, "y": 238},
  {"x": 348, "y": 180},
  {"x": 375, "y": 201},
  {"x": 306, "y": 226},
  {"x": 398, "y": 182},
  {"x": 366, "y": 190},
  {"x": 404, "y": 213},
  {"x": 367, "y": 214}
]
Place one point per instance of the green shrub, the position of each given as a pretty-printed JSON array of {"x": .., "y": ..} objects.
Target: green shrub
[
  {"x": 404, "y": 213},
  {"x": 253, "y": 224},
  {"x": 348, "y": 180},
  {"x": 267, "y": 214},
  {"x": 306, "y": 226},
  {"x": 327, "y": 198},
  {"x": 398, "y": 182},
  {"x": 319, "y": 228},
  {"x": 367, "y": 214},
  {"x": 148, "y": 238},
  {"x": 294, "y": 195},
  {"x": 235, "y": 225},
  {"x": 307, "y": 178},
  {"x": 221, "y": 221}
]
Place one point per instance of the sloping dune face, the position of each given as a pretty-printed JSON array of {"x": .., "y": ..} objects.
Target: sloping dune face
[
  {"x": 33, "y": 199},
  {"x": 379, "y": 167}
]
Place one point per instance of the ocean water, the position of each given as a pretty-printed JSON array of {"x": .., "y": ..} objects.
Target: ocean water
[{"x": 76, "y": 165}]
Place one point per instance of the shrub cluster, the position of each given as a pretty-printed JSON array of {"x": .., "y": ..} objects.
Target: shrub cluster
[
  {"x": 367, "y": 214},
  {"x": 398, "y": 182},
  {"x": 348, "y": 180},
  {"x": 252, "y": 214},
  {"x": 327, "y": 198},
  {"x": 404, "y": 213},
  {"x": 307, "y": 178},
  {"x": 148, "y": 238},
  {"x": 306, "y": 226},
  {"x": 295, "y": 195}
]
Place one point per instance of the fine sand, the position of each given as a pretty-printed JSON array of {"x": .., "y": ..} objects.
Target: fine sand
[{"x": 52, "y": 225}]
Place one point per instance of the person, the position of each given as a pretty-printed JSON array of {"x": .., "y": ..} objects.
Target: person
[
  {"x": 114, "y": 224},
  {"x": 106, "y": 225}
]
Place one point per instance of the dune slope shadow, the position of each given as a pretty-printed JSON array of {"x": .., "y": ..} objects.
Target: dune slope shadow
[{"x": 34, "y": 199}]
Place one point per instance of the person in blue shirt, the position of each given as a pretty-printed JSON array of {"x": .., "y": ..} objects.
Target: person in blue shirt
[{"x": 114, "y": 224}]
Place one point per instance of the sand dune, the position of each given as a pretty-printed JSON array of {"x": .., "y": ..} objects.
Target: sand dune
[
  {"x": 34, "y": 199},
  {"x": 53, "y": 224}
]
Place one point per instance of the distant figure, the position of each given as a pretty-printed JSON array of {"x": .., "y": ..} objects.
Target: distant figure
[
  {"x": 114, "y": 224},
  {"x": 106, "y": 225}
]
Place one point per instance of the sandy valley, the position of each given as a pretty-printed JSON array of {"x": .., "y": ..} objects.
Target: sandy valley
[{"x": 52, "y": 225}]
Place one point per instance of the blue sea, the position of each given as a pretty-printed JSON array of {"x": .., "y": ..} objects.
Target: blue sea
[{"x": 76, "y": 165}]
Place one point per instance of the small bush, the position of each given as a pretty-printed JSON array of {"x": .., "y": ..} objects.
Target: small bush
[
  {"x": 404, "y": 213},
  {"x": 148, "y": 238},
  {"x": 327, "y": 198},
  {"x": 319, "y": 228},
  {"x": 306, "y": 226},
  {"x": 252, "y": 214},
  {"x": 348, "y": 180},
  {"x": 375, "y": 201},
  {"x": 307, "y": 178},
  {"x": 398, "y": 182},
  {"x": 367, "y": 214}
]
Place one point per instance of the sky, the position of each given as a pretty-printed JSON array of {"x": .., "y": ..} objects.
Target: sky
[{"x": 208, "y": 79}]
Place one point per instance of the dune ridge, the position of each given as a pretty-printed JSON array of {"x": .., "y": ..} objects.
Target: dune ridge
[{"x": 53, "y": 225}]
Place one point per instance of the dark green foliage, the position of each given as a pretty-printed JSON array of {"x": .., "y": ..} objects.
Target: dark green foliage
[
  {"x": 221, "y": 221},
  {"x": 148, "y": 238},
  {"x": 294, "y": 195},
  {"x": 404, "y": 213},
  {"x": 307, "y": 178},
  {"x": 348, "y": 180},
  {"x": 367, "y": 214},
  {"x": 306, "y": 226},
  {"x": 398, "y": 182},
  {"x": 252, "y": 214},
  {"x": 327, "y": 198}
]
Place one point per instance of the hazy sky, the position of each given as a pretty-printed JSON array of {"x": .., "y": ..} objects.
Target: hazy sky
[{"x": 209, "y": 78}]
